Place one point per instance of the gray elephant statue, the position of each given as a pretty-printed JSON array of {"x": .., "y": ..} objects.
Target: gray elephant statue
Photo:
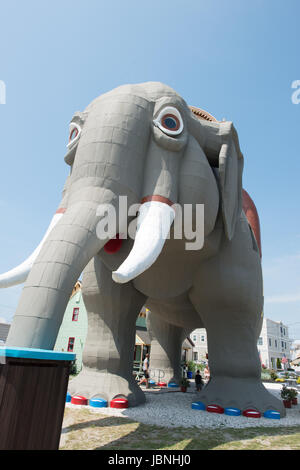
[{"x": 142, "y": 143}]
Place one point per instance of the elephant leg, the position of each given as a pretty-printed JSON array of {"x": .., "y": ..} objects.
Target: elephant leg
[
  {"x": 166, "y": 348},
  {"x": 228, "y": 295},
  {"x": 108, "y": 355},
  {"x": 169, "y": 322}
]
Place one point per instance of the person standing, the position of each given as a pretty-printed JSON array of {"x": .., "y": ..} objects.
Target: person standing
[
  {"x": 198, "y": 381},
  {"x": 145, "y": 371},
  {"x": 207, "y": 373}
]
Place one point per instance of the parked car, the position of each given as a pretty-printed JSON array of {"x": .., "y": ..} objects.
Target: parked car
[
  {"x": 293, "y": 375},
  {"x": 282, "y": 375},
  {"x": 287, "y": 375}
]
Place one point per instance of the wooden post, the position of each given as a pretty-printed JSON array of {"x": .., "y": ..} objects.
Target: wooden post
[{"x": 33, "y": 387}]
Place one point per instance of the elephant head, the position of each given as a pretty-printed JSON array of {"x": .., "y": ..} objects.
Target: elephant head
[{"x": 142, "y": 142}]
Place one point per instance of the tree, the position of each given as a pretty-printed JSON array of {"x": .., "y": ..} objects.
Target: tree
[{"x": 278, "y": 363}]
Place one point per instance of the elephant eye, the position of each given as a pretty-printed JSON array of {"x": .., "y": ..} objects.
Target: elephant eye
[
  {"x": 169, "y": 121},
  {"x": 74, "y": 135}
]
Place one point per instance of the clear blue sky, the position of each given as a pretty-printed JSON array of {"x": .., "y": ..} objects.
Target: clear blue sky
[{"x": 236, "y": 59}]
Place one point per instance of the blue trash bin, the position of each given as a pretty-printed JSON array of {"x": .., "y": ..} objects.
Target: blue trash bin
[{"x": 190, "y": 375}]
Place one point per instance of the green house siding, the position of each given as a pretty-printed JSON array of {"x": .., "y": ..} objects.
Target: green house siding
[
  {"x": 72, "y": 328},
  {"x": 77, "y": 329},
  {"x": 141, "y": 322},
  {"x": 138, "y": 353}
]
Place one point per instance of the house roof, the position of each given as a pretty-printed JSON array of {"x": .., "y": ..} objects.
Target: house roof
[
  {"x": 188, "y": 344},
  {"x": 4, "y": 329},
  {"x": 76, "y": 288},
  {"x": 296, "y": 362},
  {"x": 142, "y": 337}
]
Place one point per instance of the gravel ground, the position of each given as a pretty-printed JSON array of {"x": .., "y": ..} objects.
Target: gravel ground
[{"x": 173, "y": 409}]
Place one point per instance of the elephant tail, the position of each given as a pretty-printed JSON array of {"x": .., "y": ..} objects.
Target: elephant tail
[{"x": 252, "y": 217}]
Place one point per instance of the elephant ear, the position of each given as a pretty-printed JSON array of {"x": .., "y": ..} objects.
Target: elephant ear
[
  {"x": 220, "y": 143},
  {"x": 231, "y": 165}
]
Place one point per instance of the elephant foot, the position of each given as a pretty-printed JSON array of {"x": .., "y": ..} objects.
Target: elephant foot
[
  {"x": 240, "y": 393},
  {"x": 92, "y": 383}
]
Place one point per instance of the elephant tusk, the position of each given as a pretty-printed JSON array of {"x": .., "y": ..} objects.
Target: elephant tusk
[
  {"x": 19, "y": 274},
  {"x": 153, "y": 225}
]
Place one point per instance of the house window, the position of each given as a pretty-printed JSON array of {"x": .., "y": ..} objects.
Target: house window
[
  {"x": 275, "y": 343},
  {"x": 260, "y": 341},
  {"x": 195, "y": 356},
  {"x": 71, "y": 344},
  {"x": 202, "y": 338},
  {"x": 75, "y": 314},
  {"x": 270, "y": 342},
  {"x": 273, "y": 362},
  {"x": 194, "y": 337}
]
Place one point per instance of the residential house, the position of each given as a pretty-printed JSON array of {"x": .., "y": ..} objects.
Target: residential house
[
  {"x": 199, "y": 339},
  {"x": 274, "y": 345}
]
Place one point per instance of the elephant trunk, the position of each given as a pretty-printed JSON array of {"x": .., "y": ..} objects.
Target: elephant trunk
[
  {"x": 153, "y": 225},
  {"x": 63, "y": 256}
]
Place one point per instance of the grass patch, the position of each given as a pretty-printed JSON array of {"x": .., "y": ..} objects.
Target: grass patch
[{"x": 86, "y": 430}]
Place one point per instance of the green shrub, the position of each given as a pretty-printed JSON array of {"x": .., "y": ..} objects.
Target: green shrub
[
  {"x": 192, "y": 366},
  {"x": 273, "y": 375},
  {"x": 286, "y": 393},
  {"x": 185, "y": 382},
  {"x": 74, "y": 370}
]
